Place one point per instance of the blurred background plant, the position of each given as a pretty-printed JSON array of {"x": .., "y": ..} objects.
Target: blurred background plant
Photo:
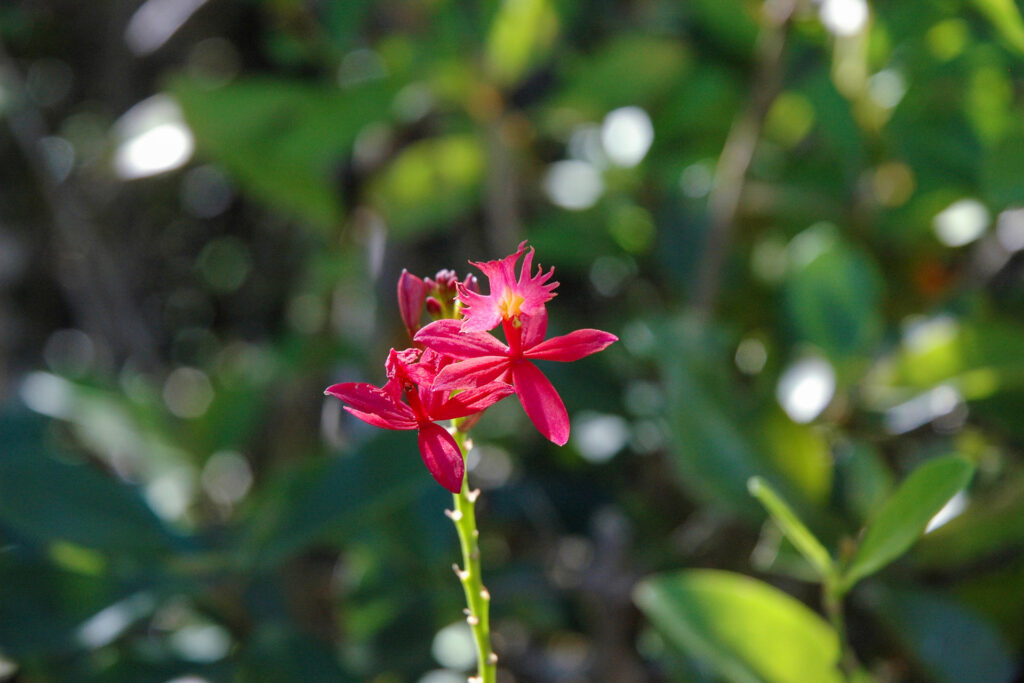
[{"x": 803, "y": 219}]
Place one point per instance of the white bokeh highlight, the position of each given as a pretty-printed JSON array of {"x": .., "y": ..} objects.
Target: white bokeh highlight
[
  {"x": 961, "y": 222},
  {"x": 574, "y": 185},
  {"x": 626, "y": 135},
  {"x": 844, "y": 17},
  {"x": 153, "y": 139},
  {"x": 806, "y": 388}
]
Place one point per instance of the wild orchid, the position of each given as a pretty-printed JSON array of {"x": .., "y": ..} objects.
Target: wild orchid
[{"x": 455, "y": 371}]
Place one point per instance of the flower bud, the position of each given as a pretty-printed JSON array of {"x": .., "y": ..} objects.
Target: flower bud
[
  {"x": 441, "y": 291},
  {"x": 434, "y": 309},
  {"x": 411, "y": 293}
]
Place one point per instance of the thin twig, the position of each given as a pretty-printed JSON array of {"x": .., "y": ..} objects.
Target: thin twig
[
  {"x": 738, "y": 151},
  {"x": 94, "y": 285}
]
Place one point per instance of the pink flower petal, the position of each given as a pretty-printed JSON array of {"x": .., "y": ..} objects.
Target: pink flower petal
[
  {"x": 441, "y": 455},
  {"x": 541, "y": 402},
  {"x": 474, "y": 372},
  {"x": 373, "y": 405},
  {"x": 470, "y": 401},
  {"x": 572, "y": 346},
  {"x": 533, "y": 328},
  {"x": 447, "y": 337},
  {"x": 532, "y": 288}
]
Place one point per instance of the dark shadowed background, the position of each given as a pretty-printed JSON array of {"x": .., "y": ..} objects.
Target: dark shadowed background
[{"x": 802, "y": 219}]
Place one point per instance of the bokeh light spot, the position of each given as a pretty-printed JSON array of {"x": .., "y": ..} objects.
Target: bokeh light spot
[
  {"x": 153, "y": 139},
  {"x": 844, "y": 17},
  {"x": 626, "y": 135},
  {"x": 806, "y": 388},
  {"x": 961, "y": 222},
  {"x": 574, "y": 185}
]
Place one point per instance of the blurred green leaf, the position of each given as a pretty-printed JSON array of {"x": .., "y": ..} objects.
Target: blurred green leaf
[
  {"x": 799, "y": 452},
  {"x": 833, "y": 298},
  {"x": 521, "y": 36},
  {"x": 949, "y": 643},
  {"x": 801, "y": 537},
  {"x": 992, "y": 524},
  {"x": 716, "y": 448},
  {"x": 627, "y": 70},
  {"x": 43, "y": 605},
  {"x": 711, "y": 449},
  {"x": 48, "y": 500},
  {"x": 903, "y": 518},
  {"x": 728, "y": 22},
  {"x": 1005, "y": 16},
  {"x": 432, "y": 182},
  {"x": 747, "y": 630},
  {"x": 1002, "y": 174},
  {"x": 977, "y": 358},
  {"x": 864, "y": 480},
  {"x": 335, "y": 496},
  {"x": 282, "y": 140}
]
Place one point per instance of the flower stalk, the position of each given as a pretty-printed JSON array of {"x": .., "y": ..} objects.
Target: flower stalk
[{"x": 478, "y": 599}]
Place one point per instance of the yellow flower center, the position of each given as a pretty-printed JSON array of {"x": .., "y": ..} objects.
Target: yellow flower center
[{"x": 509, "y": 304}]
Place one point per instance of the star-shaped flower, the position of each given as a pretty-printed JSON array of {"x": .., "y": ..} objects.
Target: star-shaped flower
[
  {"x": 482, "y": 359},
  {"x": 410, "y": 375}
]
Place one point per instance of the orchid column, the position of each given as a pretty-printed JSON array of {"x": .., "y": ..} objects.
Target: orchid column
[{"x": 457, "y": 370}]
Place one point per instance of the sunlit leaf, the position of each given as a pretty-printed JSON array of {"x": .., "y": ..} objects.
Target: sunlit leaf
[
  {"x": 903, "y": 518},
  {"x": 978, "y": 359},
  {"x": 747, "y": 630},
  {"x": 521, "y": 36},
  {"x": 798, "y": 452},
  {"x": 430, "y": 183},
  {"x": 1005, "y": 16},
  {"x": 801, "y": 537}
]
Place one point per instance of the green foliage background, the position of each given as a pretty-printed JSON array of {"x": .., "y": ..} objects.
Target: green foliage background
[{"x": 178, "y": 499}]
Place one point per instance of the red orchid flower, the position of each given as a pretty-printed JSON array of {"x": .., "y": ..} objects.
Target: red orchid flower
[
  {"x": 483, "y": 359},
  {"x": 509, "y": 297},
  {"x": 410, "y": 375}
]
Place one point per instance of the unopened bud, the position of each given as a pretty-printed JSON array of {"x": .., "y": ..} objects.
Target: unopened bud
[
  {"x": 472, "y": 284},
  {"x": 411, "y": 293},
  {"x": 492, "y": 659},
  {"x": 472, "y": 620},
  {"x": 446, "y": 281},
  {"x": 434, "y": 309}
]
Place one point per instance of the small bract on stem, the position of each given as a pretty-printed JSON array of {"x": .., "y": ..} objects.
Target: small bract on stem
[{"x": 455, "y": 371}]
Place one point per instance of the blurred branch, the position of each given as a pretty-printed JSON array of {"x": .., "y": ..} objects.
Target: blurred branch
[
  {"x": 738, "y": 151},
  {"x": 93, "y": 284},
  {"x": 502, "y": 192}
]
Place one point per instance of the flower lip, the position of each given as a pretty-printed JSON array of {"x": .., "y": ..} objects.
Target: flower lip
[{"x": 509, "y": 296}]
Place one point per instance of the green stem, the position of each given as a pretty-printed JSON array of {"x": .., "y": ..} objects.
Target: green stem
[
  {"x": 478, "y": 600},
  {"x": 832, "y": 597}
]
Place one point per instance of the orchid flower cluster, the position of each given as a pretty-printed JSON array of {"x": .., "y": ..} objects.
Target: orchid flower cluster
[{"x": 457, "y": 368}]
